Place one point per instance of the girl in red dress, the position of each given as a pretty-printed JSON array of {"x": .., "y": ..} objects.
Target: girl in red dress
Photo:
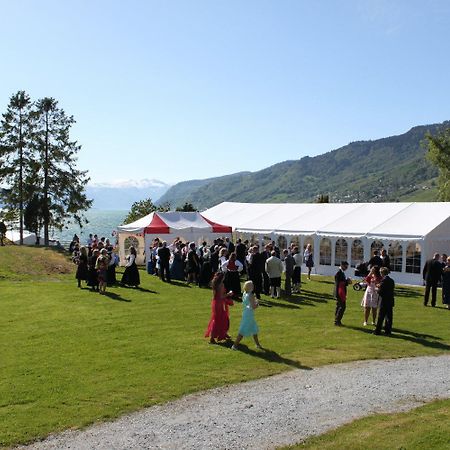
[{"x": 220, "y": 321}]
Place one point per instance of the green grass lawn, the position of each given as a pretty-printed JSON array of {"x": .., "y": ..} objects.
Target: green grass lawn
[
  {"x": 70, "y": 357},
  {"x": 427, "y": 427}
]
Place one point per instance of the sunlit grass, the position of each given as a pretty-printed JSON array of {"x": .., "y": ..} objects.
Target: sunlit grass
[{"x": 70, "y": 357}]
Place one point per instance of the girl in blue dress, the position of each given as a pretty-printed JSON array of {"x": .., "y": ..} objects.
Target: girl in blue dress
[{"x": 248, "y": 326}]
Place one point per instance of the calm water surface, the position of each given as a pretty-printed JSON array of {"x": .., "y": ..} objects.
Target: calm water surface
[{"x": 100, "y": 222}]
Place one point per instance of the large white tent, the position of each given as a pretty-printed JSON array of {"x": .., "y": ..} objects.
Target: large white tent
[
  {"x": 189, "y": 226},
  {"x": 410, "y": 232}
]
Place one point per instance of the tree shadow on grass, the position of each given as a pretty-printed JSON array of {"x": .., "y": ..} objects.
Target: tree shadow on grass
[
  {"x": 272, "y": 356},
  {"x": 426, "y": 340}
]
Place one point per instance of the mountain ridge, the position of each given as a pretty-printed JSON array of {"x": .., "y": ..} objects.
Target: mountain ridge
[{"x": 391, "y": 168}]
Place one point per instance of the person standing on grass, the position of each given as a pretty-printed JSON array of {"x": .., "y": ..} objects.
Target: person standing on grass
[
  {"x": 219, "y": 322},
  {"x": 274, "y": 269},
  {"x": 386, "y": 293},
  {"x": 289, "y": 264},
  {"x": 102, "y": 269},
  {"x": 340, "y": 292},
  {"x": 255, "y": 269},
  {"x": 446, "y": 284},
  {"x": 248, "y": 326},
  {"x": 164, "y": 261},
  {"x": 82, "y": 267},
  {"x": 131, "y": 276},
  {"x": 308, "y": 258},
  {"x": 371, "y": 298},
  {"x": 432, "y": 274},
  {"x": 297, "y": 274}
]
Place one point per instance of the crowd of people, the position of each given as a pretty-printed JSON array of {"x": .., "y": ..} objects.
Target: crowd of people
[
  {"x": 224, "y": 264},
  {"x": 97, "y": 261}
]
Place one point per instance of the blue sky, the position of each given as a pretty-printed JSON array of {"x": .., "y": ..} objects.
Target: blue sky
[{"x": 177, "y": 90}]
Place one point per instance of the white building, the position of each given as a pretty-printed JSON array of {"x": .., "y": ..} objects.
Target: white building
[{"x": 410, "y": 232}]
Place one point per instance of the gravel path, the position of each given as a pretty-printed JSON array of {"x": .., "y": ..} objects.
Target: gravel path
[{"x": 276, "y": 411}]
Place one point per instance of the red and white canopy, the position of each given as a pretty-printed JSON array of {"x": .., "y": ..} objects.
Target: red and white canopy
[
  {"x": 189, "y": 226},
  {"x": 178, "y": 223}
]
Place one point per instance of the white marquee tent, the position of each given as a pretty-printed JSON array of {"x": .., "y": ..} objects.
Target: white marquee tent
[
  {"x": 189, "y": 226},
  {"x": 411, "y": 232}
]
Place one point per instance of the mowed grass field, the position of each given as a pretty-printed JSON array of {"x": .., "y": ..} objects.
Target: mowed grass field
[{"x": 70, "y": 357}]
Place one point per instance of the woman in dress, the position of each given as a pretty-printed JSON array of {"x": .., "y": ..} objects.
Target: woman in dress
[
  {"x": 371, "y": 298},
  {"x": 205, "y": 271},
  {"x": 248, "y": 326},
  {"x": 130, "y": 276},
  {"x": 232, "y": 269},
  {"x": 192, "y": 265},
  {"x": 308, "y": 258},
  {"x": 177, "y": 266},
  {"x": 446, "y": 284},
  {"x": 82, "y": 268},
  {"x": 102, "y": 267},
  {"x": 92, "y": 271},
  {"x": 220, "y": 322}
]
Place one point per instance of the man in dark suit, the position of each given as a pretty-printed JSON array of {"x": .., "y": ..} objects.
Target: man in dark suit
[
  {"x": 375, "y": 260},
  {"x": 164, "y": 259},
  {"x": 241, "y": 251},
  {"x": 386, "y": 292},
  {"x": 255, "y": 270},
  {"x": 432, "y": 274}
]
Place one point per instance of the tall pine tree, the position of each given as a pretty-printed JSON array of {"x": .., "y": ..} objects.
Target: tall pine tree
[
  {"x": 58, "y": 180},
  {"x": 16, "y": 154}
]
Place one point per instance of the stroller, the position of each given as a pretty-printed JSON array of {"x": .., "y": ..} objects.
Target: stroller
[{"x": 361, "y": 270}]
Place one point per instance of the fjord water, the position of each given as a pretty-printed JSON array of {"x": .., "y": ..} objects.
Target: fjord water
[{"x": 100, "y": 222}]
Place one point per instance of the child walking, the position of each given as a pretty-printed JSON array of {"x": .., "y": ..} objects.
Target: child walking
[{"x": 248, "y": 326}]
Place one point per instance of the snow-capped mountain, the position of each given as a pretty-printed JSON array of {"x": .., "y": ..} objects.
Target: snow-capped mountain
[{"x": 121, "y": 194}]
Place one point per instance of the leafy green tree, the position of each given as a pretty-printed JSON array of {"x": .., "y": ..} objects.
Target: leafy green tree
[
  {"x": 140, "y": 209},
  {"x": 16, "y": 153},
  {"x": 187, "y": 207},
  {"x": 143, "y": 208},
  {"x": 33, "y": 215},
  {"x": 439, "y": 155},
  {"x": 62, "y": 185}
]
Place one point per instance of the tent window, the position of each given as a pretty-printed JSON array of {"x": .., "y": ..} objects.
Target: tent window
[
  {"x": 325, "y": 252},
  {"x": 340, "y": 252},
  {"x": 413, "y": 256},
  {"x": 131, "y": 241},
  {"x": 376, "y": 245},
  {"x": 395, "y": 253},
  {"x": 295, "y": 242},
  {"x": 308, "y": 240},
  {"x": 282, "y": 242},
  {"x": 357, "y": 252}
]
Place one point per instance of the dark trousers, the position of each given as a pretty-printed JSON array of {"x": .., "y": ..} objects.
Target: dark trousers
[
  {"x": 386, "y": 315},
  {"x": 340, "y": 310},
  {"x": 433, "y": 287},
  {"x": 164, "y": 270},
  {"x": 266, "y": 283},
  {"x": 287, "y": 284},
  {"x": 257, "y": 283}
]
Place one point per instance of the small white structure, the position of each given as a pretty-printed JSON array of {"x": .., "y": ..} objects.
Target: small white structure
[
  {"x": 14, "y": 236},
  {"x": 189, "y": 226},
  {"x": 410, "y": 232}
]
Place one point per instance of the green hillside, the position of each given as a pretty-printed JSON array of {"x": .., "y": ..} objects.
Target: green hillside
[{"x": 388, "y": 169}]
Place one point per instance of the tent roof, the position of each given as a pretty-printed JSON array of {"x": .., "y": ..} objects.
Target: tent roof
[
  {"x": 173, "y": 222},
  {"x": 375, "y": 220}
]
